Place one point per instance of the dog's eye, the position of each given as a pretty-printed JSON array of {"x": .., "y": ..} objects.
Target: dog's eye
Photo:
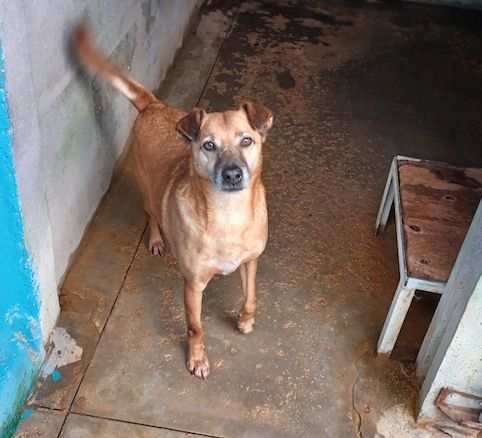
[
  {"x": 246, "y": 141},
  {"x": 209, "y": 145}
]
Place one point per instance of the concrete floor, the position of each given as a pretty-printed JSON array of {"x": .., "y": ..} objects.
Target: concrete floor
[{"x": 351, "y": 85}]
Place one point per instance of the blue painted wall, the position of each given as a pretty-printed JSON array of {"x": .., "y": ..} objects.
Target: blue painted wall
[{"x": 21, "y": 351}]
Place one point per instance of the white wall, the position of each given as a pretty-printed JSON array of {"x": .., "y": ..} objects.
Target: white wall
[{"x": 68, "y": 129}]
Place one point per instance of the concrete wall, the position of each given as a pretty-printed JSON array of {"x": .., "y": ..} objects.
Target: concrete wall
[
  {"x": 61, "y": 133},
  {"x": 68, "y": 129}
]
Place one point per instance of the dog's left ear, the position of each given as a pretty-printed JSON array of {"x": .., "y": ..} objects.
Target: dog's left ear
[
  {"x": 190, "y": 125},
  {"x": 260, "y": 118}
]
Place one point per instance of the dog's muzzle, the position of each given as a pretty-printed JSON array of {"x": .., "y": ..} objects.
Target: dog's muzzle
[{"x": 232, "y": 177}]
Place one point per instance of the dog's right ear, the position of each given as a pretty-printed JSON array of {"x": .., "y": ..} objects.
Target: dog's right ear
[
  {"x": 189, "y": 125},
  {"x": 260, "y": 118}
]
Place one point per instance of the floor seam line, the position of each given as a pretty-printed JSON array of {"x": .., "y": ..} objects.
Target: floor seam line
[
  {"x": 131, "y": 262},
  {"x": 136, "y": 423},
  {"x": 218, "y": 55}
]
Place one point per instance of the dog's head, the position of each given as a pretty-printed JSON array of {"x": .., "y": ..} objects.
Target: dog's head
[{"x": 226, "y": 147}]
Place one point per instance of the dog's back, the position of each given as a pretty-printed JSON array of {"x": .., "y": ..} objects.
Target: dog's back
[{"x": 158, "y": 150}]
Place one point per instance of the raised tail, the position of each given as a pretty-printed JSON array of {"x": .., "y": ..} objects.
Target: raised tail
[{"x": 95, "y": 61}]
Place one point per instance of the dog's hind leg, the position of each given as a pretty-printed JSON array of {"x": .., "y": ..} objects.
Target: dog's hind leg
[
  {"x": 148, "y": 188},
  {"x": 156, "y": 242},
  {"x": 248, "y": 280}
]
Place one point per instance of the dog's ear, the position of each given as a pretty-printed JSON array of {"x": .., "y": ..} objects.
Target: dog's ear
[
  {"x": 189, "y": 125},
  {"x": 260, "y": 118}
]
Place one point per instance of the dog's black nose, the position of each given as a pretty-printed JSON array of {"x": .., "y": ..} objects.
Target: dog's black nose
[{"x": 232, "y": 175}]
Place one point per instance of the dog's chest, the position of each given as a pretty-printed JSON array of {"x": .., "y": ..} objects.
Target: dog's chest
[
  {"x": 226, "y": 263},
  {"x": 234, "y": 234},
  {"x": 226, "y": 267},
  {"x": 230, "y": 250}
]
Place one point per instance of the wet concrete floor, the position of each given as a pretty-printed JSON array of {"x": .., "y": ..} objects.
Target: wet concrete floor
[{"x": 351, "y": 84}]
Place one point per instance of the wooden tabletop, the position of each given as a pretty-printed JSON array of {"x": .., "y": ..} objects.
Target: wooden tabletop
[{"x": 438, "y": 203}]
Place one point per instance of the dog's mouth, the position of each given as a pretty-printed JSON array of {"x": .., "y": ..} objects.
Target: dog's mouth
[{"x": 232, "y": 187}]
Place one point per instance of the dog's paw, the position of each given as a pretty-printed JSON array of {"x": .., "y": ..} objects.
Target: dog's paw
[
  {"x": 157, "y": 248},
  {"x": 199, "y": 367},
  {"x": 246, "y": 326}
]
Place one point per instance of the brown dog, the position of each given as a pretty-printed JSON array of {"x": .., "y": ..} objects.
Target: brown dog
[{"x": 202, "y": 191}]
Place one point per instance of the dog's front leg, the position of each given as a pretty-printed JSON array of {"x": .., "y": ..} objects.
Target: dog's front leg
[
  {"x": 197, "y": 359},
  {"x": 248, "y": 280}
]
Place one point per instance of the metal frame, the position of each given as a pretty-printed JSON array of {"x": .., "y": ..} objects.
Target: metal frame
[{"x": 407, "y": 285}]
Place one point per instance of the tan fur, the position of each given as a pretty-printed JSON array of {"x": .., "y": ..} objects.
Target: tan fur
[{"x": 209, "y": 230}]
